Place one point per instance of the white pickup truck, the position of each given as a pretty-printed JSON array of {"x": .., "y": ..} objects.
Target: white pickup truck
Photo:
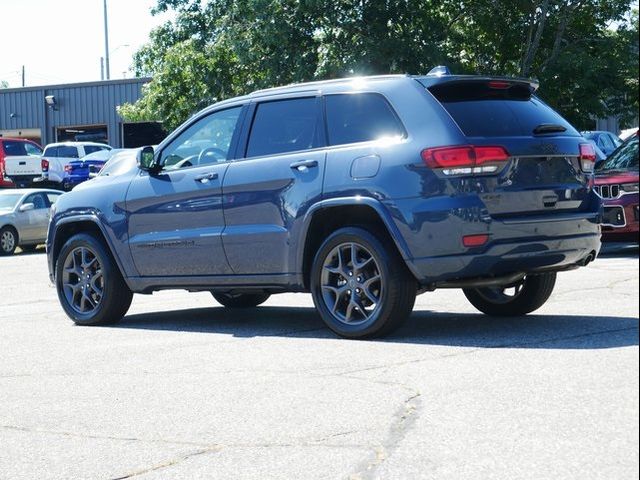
[{"x": 21, "y": 161}]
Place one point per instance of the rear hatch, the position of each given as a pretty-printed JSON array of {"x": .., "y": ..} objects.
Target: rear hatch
[{"x": 538, "y": 169}]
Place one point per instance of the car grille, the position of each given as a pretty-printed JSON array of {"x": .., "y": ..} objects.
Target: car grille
[{"x": 608, "y": 191}]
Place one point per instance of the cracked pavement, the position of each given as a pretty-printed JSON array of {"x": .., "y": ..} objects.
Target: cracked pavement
[{"x": 184, "y": 389}]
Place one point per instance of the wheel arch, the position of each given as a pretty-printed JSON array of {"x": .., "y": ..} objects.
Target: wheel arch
[
  {"x": 68, "y": 227},
  {"x": 330, "y": 215}
]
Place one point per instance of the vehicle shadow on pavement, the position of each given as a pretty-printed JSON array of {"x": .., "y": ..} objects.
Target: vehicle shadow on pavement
[
  {"x": 423, "y": 327},
  {"x": 619, "y": 250}
]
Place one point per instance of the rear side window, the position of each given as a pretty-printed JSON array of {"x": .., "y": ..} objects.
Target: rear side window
[
  {"x": 67, "y": 151},
  {"x": 481, "y": 111},
  {"x": 32, "y": 149},
  {"x": 50, "y": 152},
  {"x": 360, "y": 117},
  {"x": 284, "y": 126},
  {"x": 92, "y": 148},
  {"x": 53, "y": 197}
]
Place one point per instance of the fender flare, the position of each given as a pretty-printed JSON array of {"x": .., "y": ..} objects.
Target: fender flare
[{"x": 356, "y": 200}]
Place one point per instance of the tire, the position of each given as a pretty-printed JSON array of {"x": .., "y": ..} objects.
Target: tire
[
  {"x": 529, "y": 295},
  {"x": 365, "y": 298},
  {"x": 240, "y": 300},
  {"x": 85, "y": 265},
  {"x": 8, "y": 240}
]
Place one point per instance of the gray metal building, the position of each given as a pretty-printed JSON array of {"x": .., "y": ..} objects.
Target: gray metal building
[{"x": 80, "y": 111}]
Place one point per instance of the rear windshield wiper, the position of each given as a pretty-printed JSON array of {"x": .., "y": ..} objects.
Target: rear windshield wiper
[{"x": 548, "y": 128}]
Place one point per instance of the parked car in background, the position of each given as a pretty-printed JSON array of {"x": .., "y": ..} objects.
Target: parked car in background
[
  {"x": 626, "y": 133},
  {"x": 19, "y": 162},
  {"x": 617, "y": 184},
  {"x": 24, "y": 216},
  {"x": 363, "y": 192},
  {"x": 57, "y": 156},
  {"x": 606, "y": 141},
  {"x": 86, "y": 167}
]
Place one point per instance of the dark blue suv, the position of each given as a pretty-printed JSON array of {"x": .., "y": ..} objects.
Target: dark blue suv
[{"x": 364, "y": 192}]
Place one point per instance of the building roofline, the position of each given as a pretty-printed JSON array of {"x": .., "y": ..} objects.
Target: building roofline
[{"x": 76, "y": 85}]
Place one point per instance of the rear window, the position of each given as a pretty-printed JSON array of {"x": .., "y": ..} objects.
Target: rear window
[
  {"x": 67, "y": 151},
  {"x": 284, "y": 126},
  {"x": 13, "y": 148},
  {"x": 481, "y": 111},
  {"x": 360, "y": 117}
]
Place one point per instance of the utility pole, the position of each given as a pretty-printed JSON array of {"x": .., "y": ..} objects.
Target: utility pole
[
  {"x": 101, "y": 68},
  {"x": 23, "y": 76},
  {"x": 106, "y": 40}
]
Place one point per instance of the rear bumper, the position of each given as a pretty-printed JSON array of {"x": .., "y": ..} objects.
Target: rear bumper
[
  {"x": 519, "y": 245},
  {"x": 22, "y": 180}
]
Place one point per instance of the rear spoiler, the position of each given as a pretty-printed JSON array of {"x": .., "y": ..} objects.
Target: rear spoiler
[{"x": 429, "y": 81}]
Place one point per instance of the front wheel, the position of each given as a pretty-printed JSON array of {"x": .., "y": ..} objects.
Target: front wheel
[
  {"x": 90, "y": 286},
  {"x": 240, "y": 300},
  {"x": 360, "y": 285},
  {"x": 520, "y": 298}
]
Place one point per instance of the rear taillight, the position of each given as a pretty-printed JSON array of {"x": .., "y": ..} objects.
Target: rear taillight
[
  {"x": 587, "y": 157},
  {"x": 44, "y": 165},
  {"x": 466, "y": 159},
  {"x": 68, "y": 168}
]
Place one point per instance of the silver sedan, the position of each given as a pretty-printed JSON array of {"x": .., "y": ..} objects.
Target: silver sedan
[{"x": 24, "y": 216}]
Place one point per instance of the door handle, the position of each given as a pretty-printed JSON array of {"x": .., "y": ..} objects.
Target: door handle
[
  {"x": 206, "y": 177},
  {"x": 303, "y": 165}
]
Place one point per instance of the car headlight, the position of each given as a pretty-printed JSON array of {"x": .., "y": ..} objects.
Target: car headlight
[{"x": 629, "y": 187}]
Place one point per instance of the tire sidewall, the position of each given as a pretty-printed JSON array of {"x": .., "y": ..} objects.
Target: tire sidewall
[
  {"x": 108, "y": 272},
  {"x": 382, "y": 258}
]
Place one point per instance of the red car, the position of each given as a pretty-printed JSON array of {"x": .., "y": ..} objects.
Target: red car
[{"x": 617, "y": 183}]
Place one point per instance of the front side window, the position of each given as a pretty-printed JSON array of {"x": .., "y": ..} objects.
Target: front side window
[
  {"x": 205, "y": 142},
  {"x": 284, "y": 126},
  {"x": 37, "y": 199},
  {"x": 360, "y": 117}
]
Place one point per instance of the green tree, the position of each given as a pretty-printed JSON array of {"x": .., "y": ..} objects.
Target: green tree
[
  {"x": 221, "y": 48},
  {"x": 4, "y": 84}
]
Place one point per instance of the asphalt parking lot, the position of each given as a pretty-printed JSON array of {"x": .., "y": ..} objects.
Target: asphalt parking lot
[{"x": 183, "y": 389}]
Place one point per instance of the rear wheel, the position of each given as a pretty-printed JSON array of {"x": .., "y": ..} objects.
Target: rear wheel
[
  {"x": 360, "y": 285},
  {"x": 90, "y": 287},
  {"x": 8, "y": 240},
  {"x": 240, "y": 300},
  {"x": 519, "y": 298}
]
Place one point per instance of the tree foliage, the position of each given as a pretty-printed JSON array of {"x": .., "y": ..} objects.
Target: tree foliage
[{"x": 584, "y": 52}]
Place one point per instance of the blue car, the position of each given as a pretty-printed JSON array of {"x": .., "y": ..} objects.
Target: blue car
[
  {"x": 81, "y": 170},
  {"x": 362, "y": 191}
]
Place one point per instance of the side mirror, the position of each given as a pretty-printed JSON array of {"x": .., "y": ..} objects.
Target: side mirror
[
  {"x": 25, "y": 207},
  {"x": 146, "y": 159}
]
